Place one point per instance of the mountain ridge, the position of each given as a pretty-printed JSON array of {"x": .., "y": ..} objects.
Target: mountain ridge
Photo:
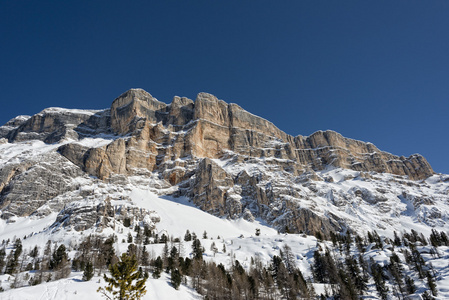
[{"x": 226, "y": 160}]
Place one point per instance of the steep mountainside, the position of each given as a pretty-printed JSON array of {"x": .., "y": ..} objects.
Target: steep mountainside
[{"x": 83, "y": 164}]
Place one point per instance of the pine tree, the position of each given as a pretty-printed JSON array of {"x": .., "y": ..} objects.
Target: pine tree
[
  {"x": 88, "y": 271},
  {"x": 13, "y": 261},
  {"x": 127, "y": 222},
  {"x": 431, "y": 283},
  {"x": 176, "y": 278},
  {"x": 197, "y": 249},
  {"x": 410, "y": 285},
  {"x": 187, "y": 236},
  {"x": 379, "y": 280},
  {"x": 125, "y": 282},
  {"x": 2, "y": 259},
  {"x": 58, "y": 257}
]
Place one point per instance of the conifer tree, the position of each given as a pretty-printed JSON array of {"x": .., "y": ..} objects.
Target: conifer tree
[
  {"x": 88, "y": 271},
  {"x": 431, "y": 283},
  {"x": 13, "y": 262},
  {"x": 176, "y": 278},
  {"x": 187, "y": 236},
  {"x": 2, "y": 259},
  {"x": 197, "y": 249},
  {"x": 158, "y": 264},
  {"x": 126, "y": 281}
]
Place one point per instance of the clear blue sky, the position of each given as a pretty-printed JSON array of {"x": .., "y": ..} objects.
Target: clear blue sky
[{"x": 376, "y": 71}]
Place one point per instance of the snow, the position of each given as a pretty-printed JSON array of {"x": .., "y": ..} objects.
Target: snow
[
  {"x": 75, "y": 288},
  {"x": 382, "y": 202},
  {"x": 178, "y": 214},
  {"x": 20, "y": 151},
  {"x": 60, "y": 110},
  {"x": 24, "y": 226}
]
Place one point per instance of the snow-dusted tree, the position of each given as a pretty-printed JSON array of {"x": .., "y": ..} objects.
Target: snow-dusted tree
[
  {"x": 213, "y": 248},
  {"x": 125, "y": 282},
  {"x": 13, "y": 258},
  {"x": 288, "y": 258}
]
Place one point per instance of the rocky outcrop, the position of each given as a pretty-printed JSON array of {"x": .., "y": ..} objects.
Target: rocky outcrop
[
  {"x": 209, "y": 189},
  {"x": 28, "y": 186},
  {"x": 102, "y": 215},
  {"x": 209, "y": 127},
  {"x": 50, "y": 125},
  {"x": 185, "y": 144},
  {"x": 132, "y": 106},
  {"x": 324, "y": 148}
]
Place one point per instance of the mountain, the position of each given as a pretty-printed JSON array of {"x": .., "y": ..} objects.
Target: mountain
[
  {"x": 227, "y": 161},
  {"x": 257, "y": 195}
]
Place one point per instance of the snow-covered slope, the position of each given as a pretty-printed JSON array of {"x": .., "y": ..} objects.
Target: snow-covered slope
[{"x": 206, "y": 166}]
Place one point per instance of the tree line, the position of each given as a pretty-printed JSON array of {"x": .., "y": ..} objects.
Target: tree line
[{"x": 339, "y": 264}]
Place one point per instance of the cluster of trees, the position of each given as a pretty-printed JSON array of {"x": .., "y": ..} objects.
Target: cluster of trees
[
  {"x": 281, "y": 278},
  {"x": 342, "y": 266},
  {"x": 349, "y": 272},
  {"x": 53, "y": 264}
]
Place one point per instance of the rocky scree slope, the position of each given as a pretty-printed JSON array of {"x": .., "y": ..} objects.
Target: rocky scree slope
[{"x": 228, "y": 161}]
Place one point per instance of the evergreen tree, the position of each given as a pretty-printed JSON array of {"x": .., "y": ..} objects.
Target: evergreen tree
[
  {"x": 197, "y": 249},
  {"x": 58, "y": 257},
  {"x": 187, "y": 236},
  {"x": 176, "y": 278},
  {"x": 13, "y": 258},
  {"x": 431, "y": 283},
  {"x": 410, "y": 285},
  {"x": 378, "y": 276},
  {"x": 2, "y": 259},
  {"x": 125, "y": 282},
  {"x": 88, "y": 271},
  {"x": 127, "y": 222},
  {"x": 158, "y": 264}
]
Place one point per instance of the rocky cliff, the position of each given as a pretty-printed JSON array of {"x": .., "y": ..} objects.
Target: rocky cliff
[{"x": 228, "y": 161}]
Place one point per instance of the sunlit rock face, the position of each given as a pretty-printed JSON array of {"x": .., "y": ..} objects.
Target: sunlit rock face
[{"x": 228, "y": 161}]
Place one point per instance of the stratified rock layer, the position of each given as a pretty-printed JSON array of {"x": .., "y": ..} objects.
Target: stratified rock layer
[{"x": 184, "y": 142}]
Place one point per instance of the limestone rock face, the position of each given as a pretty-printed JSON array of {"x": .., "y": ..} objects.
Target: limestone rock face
[
  {"x": 228, "y": 161},
  {"x": 209, "y": 188},
  {"x": 325, "y": 148},
  {"x": 26, "y": 187},
  {"x": 209, "y": 127},
  {"x": 53, "y": 125},
  {"x": 133, "y": 105}
]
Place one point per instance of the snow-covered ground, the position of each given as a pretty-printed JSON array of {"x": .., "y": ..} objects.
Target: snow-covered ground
[
  {"x": 381, "y": 202},
  {"x": 177, "y": 215},
  {"x": 74, "y": 288}
]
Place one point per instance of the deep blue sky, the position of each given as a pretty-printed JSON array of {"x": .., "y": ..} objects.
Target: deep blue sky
[{"x": 376, "y": 71}]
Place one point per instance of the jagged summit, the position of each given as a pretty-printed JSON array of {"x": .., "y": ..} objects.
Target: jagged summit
[
  {"x": 226, "y": 160},
  {"x": 214, "y": 126}
]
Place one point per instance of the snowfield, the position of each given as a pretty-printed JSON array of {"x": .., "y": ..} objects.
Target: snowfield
[
  {"x": 363, "y": 201},
  {"x": 177, "y": 215},
  {"x": 75, "y": 288}
]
